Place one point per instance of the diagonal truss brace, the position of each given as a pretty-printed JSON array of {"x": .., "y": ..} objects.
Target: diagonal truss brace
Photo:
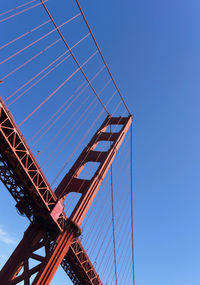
[
  {"x": 40, "y": 204},
  {"x": 36, "y": 200}
]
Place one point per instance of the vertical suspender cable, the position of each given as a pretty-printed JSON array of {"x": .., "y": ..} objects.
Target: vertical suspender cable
[{"x": 131, "y": 168}]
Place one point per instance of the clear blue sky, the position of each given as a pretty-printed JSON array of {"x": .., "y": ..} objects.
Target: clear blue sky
[{"x": 152, "y": 48}]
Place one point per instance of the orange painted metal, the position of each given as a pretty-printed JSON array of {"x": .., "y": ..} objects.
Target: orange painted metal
[
  {"x": 77, "y": 265},
  {"x": 50, "y": 229},
  {"x": 17, "y": 268},
  {"x": 36, "y": 193},
  {"x": 30, "y": 202},
  {"x": 89, "y": 188}
]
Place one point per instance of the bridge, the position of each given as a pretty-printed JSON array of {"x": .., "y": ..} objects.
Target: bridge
[{"x": 65, "y": 149}]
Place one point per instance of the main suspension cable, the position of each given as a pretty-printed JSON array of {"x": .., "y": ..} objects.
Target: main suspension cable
[
  {"x": 86, "y": 22},
  {"x": 66, "y": 44}
]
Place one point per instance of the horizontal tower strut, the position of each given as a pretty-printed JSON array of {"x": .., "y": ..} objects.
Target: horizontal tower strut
[
  {"x": 35, "y": 203},
  {"x": 50, "y": 228},
  {"x": 89, "y": 188}
]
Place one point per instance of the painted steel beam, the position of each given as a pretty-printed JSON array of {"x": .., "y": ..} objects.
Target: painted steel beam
[
  {"x": 36, "y": 189},
  {"x": 23, "y": 177},
  {"x": 89, "y": 188},
  {"x": 25, "y": 181}
]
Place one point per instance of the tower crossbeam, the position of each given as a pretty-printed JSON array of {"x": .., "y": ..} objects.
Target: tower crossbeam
[{"x": 50, "y": 228}]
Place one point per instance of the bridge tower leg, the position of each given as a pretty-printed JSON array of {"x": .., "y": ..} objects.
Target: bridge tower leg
[{"x": 56, "y": 244}]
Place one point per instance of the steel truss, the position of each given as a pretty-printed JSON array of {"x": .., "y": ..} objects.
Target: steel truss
[{"x": 50, "y": 229}]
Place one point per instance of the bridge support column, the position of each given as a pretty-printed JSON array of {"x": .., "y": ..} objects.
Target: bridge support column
[
  {"x": 40, "y": 252},
  {"x": 47, "y": 241}
]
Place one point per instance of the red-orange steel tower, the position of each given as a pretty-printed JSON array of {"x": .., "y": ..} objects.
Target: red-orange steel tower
[{"x": 50, "y": 228}]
